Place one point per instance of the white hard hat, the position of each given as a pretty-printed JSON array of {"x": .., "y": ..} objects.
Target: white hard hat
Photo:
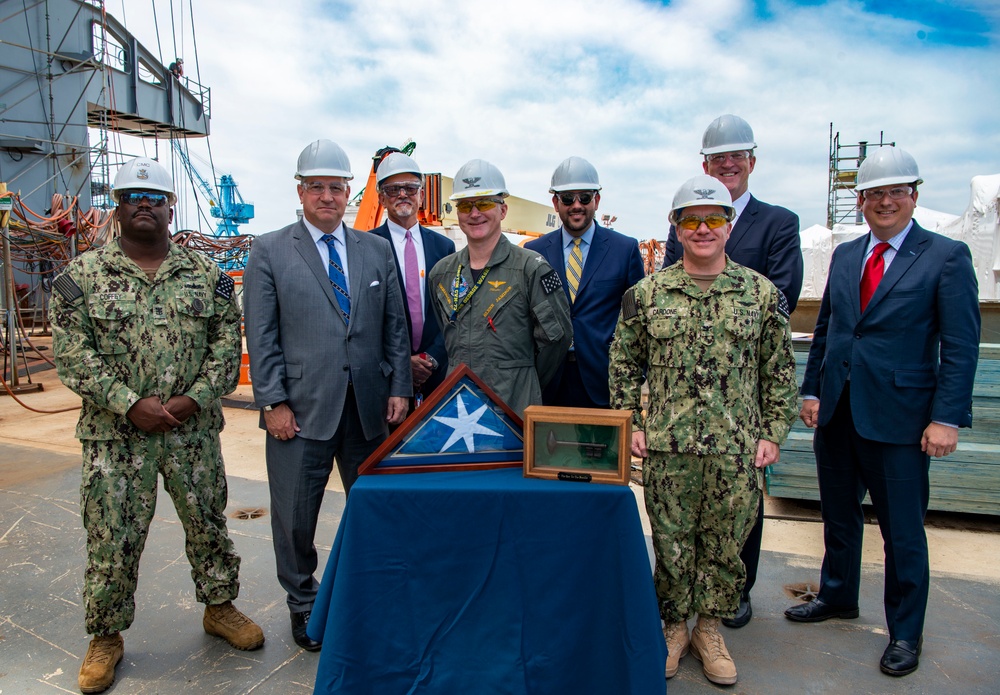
[
  {"x": 885, "y": 166},
  {"x": 477, "y": 178},
  {"x": 323, "y": 158},
  {"x": 702, "y": 190},
  {"x": 396, "y": 163},
  {"x": 727, "y": 133},
  {"x": 575, "y": 174},
  {"x": 143, "y": 173}
]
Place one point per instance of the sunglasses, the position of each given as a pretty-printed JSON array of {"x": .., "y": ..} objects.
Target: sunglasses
[
  {"x": 483, "y": 204},
  {"x": 584, "y": 198},
  {"x": 153, "y": 200},
  {"x": 394, "y": 190},
  {"x": 693, "y": 222}
]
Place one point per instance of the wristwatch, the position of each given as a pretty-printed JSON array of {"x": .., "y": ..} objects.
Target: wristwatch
[{"x": 269, "y": 408}]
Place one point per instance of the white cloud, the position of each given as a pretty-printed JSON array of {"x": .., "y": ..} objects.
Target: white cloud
[{"x": 629, "y": 85}]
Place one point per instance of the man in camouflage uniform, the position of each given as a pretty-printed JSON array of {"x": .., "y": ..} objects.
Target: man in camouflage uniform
[
  {"x": 714, "y": 342},
  {"x": 147, "y": 333},
  {"x": 501, "y": 308}
]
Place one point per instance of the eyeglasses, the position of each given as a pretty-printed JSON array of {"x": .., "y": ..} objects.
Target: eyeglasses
[
  {"x": 319, "y": 188},
  {"x": 876, "y": 194},
  {"x": 736, "y": 157},
  {"x": 693, "y": 222},
  {"x": 482, "y": 204},
  {"x": 584, "y": 197},
  {"x": 394, "y": 190},
  {"x": 153, "y": 200}
]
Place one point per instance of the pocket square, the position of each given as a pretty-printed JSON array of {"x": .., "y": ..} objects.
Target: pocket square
[{"x": 374, "y": 283}]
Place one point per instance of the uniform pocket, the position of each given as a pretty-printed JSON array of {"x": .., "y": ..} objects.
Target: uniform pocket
[{"x": 112, "y": 319}]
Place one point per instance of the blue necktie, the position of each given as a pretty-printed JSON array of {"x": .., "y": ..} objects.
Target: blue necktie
[{"x": 337, "y": 279}]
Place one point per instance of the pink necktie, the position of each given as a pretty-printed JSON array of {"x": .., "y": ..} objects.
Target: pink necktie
[
  {"x": 413, "y": 291},
  {"x": 873, "y": 273}
]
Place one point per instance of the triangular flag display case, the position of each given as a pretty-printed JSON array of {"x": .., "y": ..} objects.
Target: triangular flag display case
[{"x": 463, "y": 425}]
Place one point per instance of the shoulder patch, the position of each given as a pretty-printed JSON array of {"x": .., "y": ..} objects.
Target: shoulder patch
[
  {"x": 551, "y": 281},
  {"x": 783, "y": 304},
  {"x": 224, "y": 287},
  {"x": 629, "y": 308},
  {"x": 67, "y": 288}
]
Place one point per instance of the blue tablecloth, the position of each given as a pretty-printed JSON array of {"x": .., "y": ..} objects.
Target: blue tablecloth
[{"x": 486, "y": 582}]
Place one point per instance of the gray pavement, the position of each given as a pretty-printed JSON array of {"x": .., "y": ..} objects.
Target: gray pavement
[{"x": 42, "y": 639}]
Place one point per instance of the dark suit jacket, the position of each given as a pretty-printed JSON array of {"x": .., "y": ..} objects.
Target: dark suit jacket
[
  {"x": 766, "y": 239},
  {"x": 912, "y": 354},
  {"x": 301, "y": 352},
  {"x": 613, "y": 265},
  {"x": 436, "y": 247}
]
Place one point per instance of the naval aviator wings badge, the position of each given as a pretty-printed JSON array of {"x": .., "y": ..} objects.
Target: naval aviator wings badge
[{"x": 462, "y": 425}]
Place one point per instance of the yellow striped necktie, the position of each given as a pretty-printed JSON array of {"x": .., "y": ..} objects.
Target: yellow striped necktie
[{"x": 574, "y": 269}]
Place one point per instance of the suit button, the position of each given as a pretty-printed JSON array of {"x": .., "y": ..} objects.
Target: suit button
[
  {"x": 347, "y": 366},
  {"x": 846, "y": 364},
  {"x": 857, "y": 336}
]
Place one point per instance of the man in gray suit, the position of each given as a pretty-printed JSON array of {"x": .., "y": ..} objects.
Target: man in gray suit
[{"x": 327, "y": 338}]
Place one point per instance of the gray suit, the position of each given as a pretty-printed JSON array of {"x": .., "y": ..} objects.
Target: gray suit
[{"x": 336, "y": 379}]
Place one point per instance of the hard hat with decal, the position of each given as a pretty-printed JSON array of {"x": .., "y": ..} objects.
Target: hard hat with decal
[
  {"x": 323, "y": 158},
  {"x": 478, "y": 178},
  {"x": 702, "y": 190},
  {"x": 143, "y": 174}
]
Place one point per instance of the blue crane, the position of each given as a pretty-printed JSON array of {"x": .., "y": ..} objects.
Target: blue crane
[{"x": 231, "y": 211}]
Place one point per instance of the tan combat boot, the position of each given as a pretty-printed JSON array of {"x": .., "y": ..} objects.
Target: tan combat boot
[
  {"x": 98, "y": 670},
  {"x": 708, "y": 647},
  {"x": 228, "y": 623},
  {"x": 678, "y": 640}
]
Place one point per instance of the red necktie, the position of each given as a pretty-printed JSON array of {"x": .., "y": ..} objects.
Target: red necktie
[{"x": 873, "y": 273}]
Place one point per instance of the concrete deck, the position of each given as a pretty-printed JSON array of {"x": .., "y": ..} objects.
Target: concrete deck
[{"x": 42, "y": 639}]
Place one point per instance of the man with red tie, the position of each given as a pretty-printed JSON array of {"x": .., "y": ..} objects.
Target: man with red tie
[
  {"x": 416, "y": 250},
  {"x": 887, "y": 385}
]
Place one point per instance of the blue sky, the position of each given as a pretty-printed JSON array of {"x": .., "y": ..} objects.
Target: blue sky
[{"x": 629, "y": 85}]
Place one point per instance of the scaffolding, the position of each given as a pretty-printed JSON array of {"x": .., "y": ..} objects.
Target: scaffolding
[{"x": 842, "y": 201}]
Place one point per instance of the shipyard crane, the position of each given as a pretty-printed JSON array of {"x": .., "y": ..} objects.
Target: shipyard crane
[{"x": 231, "y": 211}]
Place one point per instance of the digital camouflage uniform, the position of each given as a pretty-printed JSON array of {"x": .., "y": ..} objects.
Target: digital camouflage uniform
[
  {"x": 516, "y": 329},
  {"x": 721, "y": 376},
  {"x": 119, "y": 337}
]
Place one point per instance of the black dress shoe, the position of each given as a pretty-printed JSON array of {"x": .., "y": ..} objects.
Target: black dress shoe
[
  {"x": 900, "y": 658},
  {"x": 816, "y": 611},
  {"x": 743, "y": 614},
  {"x": 299, "y": 622}
]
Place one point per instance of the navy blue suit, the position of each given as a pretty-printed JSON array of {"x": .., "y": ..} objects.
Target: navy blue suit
[
  {"x": 765, "y": 238},
  {"x": 881, "y": 377},
  {"x": 436, "y": 247},
  {"x": 613, "y": 265}
]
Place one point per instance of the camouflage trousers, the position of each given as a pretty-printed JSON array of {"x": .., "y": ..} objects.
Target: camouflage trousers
[
  {"x": 701, "y": 510},
  {"x": 117, "y": 501}
]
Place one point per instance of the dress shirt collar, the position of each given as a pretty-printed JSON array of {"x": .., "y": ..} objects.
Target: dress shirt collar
[
  {"x": 398, "y": 232},
  {"x": 586, "y": 239},
  {"x": 895, "y": 242},
  {"x": 740, "y": 204},
  {"x": 339, "y": 234}
]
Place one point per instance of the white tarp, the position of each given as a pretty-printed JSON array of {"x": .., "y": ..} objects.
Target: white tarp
[{"x": 979, "y": 227}]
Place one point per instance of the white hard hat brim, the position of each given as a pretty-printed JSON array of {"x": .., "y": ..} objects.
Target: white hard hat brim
[
  {"x": 574, "y": 187},
  {"x": 734, "y": 147},
  {"x": 479, "y": 193},
  {"x": 888, "y": 181},
  {"x": 337, "y": 173}
]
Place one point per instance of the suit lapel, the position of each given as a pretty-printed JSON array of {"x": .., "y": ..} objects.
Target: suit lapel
[
  {"x": 599, "y": 247},
  {"x": 742, "y": 226},
  {"x": 306, "y": 248},
  {"x": 355, "y": 266},
  {"x": 853, "y": 256}
]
